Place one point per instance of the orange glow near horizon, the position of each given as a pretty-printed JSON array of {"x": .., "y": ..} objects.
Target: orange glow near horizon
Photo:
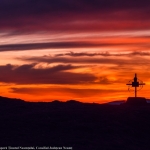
[
  {"x": 89, "y": 69},
  {"x": 95, "y": 93},
  {"x": 80, "y": 50}
]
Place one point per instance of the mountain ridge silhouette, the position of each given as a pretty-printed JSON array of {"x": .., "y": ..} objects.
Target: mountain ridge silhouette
[
  {"x": 74, "y": 124},
  {"x": 17, "y": 100}
]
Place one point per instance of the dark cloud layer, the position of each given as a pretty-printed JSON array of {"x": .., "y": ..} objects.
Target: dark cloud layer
[
  {"x": 60, "y": 45},
  {"x": 81, "y": 54},
  {"x": 37, "y": 7},
  {"x": 58, "y": 14},
  {"x": 35, "y": 46},
  {"x": 93, "y": 58},
  {"x": 27, "y": 74},
  {"x": 88, "y": 60}
]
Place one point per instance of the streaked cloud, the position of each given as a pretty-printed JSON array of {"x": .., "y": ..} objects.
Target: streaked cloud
[
  {"x": 93, "y": 58},
  {"x": 80, "y": 54},
  {"x": 66, "y": 45},
  {"x": 54, "y": 45}
]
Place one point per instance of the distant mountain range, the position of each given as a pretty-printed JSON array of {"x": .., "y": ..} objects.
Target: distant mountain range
[{"x": 6, "y": 100}]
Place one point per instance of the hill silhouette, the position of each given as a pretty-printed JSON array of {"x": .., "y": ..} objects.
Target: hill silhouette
[
  {"x": 10, "y": 101},
  {"x": 73, "y": 124}
]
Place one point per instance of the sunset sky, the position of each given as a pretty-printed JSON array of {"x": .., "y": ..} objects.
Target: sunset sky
[{"x": 73, "y": 49}]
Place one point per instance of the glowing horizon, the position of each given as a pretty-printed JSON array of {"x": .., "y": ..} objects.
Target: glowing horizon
[{"x": 73, "y": 50}]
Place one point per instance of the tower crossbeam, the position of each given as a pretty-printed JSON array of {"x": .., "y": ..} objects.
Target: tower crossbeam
[{"x": 135, "y": 84}]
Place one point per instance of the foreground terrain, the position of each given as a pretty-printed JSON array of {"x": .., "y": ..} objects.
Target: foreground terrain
[{"x": 73, "y": 124}]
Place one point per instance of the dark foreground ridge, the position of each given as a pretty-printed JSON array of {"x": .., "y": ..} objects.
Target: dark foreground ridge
[{"x": 82, "y": 126}]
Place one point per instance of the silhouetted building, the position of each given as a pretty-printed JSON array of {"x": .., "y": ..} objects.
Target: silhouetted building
[{"x": 138, "y": 101}]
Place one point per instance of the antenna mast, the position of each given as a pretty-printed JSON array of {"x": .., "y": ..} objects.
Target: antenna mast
[{"x": 135, "y": 84}]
